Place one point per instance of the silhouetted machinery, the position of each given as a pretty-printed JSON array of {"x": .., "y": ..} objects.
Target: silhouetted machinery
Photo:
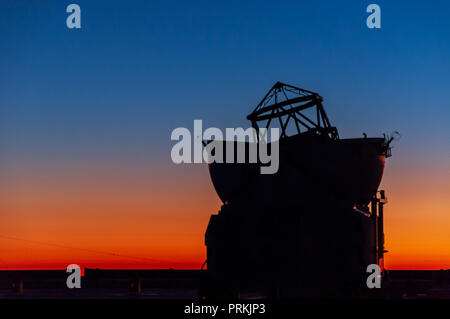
[{"x": 311, "y": 229}]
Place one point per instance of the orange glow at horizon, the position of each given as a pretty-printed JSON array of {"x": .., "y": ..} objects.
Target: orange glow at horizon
[
  {"x": 104, "y": 217},
  {"x": 417, "y": 216}
]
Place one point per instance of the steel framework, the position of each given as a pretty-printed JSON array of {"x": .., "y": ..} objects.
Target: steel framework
[{"x": 285, "y": 103}]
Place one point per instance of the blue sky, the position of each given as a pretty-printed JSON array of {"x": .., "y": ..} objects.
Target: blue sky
[{"x": 136, "y": 70}]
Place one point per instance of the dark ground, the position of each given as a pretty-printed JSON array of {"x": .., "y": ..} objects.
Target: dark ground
[{"x": 183, "y": 284}]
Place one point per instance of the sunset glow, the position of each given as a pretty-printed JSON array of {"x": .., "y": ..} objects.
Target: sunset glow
[{"x": 86, "y": 175}]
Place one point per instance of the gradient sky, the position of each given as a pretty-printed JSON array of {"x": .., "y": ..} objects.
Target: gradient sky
[{"x": 86, "y": 116}]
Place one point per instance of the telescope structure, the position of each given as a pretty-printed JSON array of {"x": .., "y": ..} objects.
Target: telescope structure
[{"x": 308, "y": 230}]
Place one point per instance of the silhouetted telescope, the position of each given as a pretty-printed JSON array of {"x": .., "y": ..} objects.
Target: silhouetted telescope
[
  {"x": 351, "y": 169},
  {"x": 308, "y": 229}
]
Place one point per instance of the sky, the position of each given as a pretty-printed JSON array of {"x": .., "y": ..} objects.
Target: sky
[{"x": 86, "y": 116}]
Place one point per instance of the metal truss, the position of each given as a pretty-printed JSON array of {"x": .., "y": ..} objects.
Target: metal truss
[{"x": 287, "y": 103}]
